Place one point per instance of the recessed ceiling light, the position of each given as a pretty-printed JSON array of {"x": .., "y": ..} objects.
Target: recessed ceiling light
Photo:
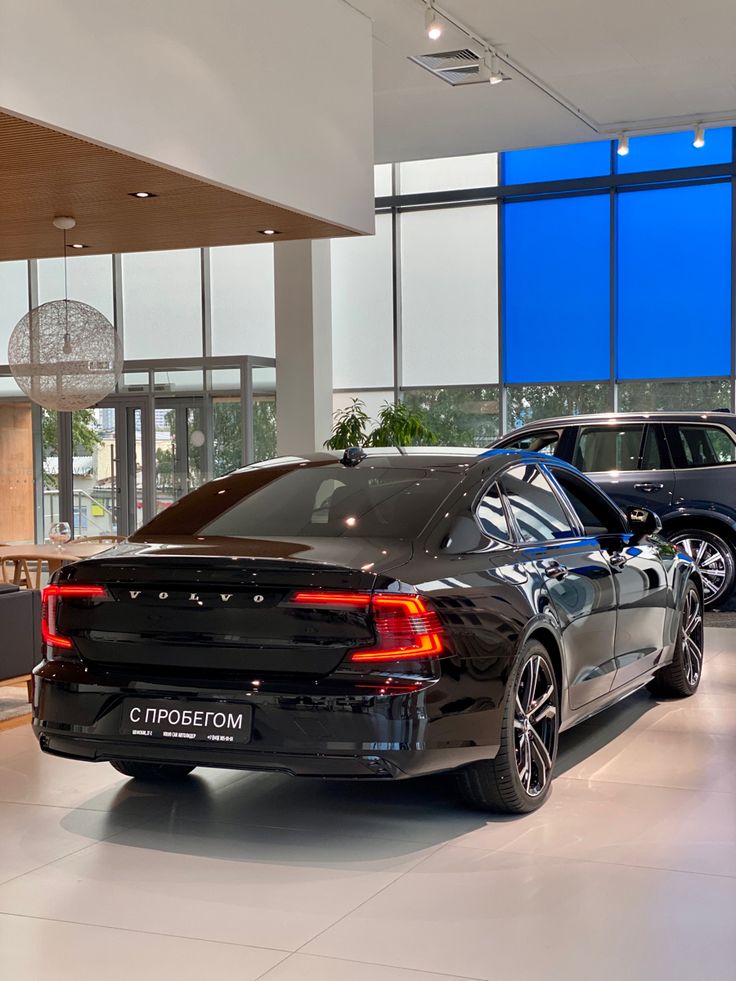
[
  {"x": 269, "y": 231},
  {"x": 142, "y": 194},
  {"x": 77, "y": 245}
]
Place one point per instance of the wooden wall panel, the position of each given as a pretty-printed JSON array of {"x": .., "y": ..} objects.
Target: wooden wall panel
[{"x": 16, "y": 473}]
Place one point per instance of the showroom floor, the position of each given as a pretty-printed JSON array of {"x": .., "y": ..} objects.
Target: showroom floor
[{"x": 629, "y": 871}]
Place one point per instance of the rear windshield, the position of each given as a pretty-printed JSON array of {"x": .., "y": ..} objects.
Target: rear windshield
[{"x": 310, "y": 500}]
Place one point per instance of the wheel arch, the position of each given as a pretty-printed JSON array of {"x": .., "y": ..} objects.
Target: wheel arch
[
  {"x": 547, "y": 638},
  {"x": 705, "y": 521}
]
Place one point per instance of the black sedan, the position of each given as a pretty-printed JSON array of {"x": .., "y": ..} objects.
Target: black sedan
[{"x": 376, "y": 616}]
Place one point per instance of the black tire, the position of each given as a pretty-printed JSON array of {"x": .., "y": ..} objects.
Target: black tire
[
  {"x": 152, "y": 772},
  {"x": 518, "y": 780},
  {"x": 718, "y": 573},
  {"x": 681, "y": 677}
]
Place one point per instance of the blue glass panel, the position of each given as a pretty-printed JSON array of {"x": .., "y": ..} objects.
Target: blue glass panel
[
  {"x": 674, "y": 282},
  {"x": 670, "y": 150},
  {"x": 556, "y": 163},
  {"x": 556, "y": 290}
]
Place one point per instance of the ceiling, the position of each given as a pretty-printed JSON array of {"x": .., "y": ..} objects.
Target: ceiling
[
  {"x": 44, "y": 173},
  {"x": 638, "y": 65}
]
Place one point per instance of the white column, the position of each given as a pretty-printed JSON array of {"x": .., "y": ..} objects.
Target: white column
[{"x": 303, "y": 346}]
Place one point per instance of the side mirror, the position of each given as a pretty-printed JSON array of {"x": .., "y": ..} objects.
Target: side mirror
[{"x": 643, "y": 522}]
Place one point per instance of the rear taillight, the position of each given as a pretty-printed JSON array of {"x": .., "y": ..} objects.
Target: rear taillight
[
  {"x": 406, "y": 627},
  {"x": 51, "y": 598}
]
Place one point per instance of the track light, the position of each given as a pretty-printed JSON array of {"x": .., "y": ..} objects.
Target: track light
[
  {"x": 432, "y": 22},
  {"x": 623, "y": 145},
  {"x": 699, "y": 136},
  {"x": 495, "y": 76}
]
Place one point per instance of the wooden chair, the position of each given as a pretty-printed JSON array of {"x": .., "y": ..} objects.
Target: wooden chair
[{"x": 21, "y": 571}]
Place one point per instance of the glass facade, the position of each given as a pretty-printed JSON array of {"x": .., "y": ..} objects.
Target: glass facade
[
  {"x": 550, "y": 281},
  {"x": 498, "y": 289}
]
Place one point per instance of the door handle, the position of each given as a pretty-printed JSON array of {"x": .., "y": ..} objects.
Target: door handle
[
  {"x": 648, "y": 488},
  {"x": 554, "y": 570},
  {"x": 617, "y": 560}
]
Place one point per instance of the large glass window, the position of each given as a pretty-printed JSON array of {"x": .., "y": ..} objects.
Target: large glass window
[
  {"x": 525, "y": 403},
  {"x": 450, "y": 296},
  {"x": 162, "y": 304},
  {"x": 557, "y": 289},
  {"x": 13, "y": 301},
  {"x": 674, "y": 282},
  {"x": 460, "y": 416},
  {"x": 362, "y": 309},
  {"x": 668, "y": 150},
  {"x": 242, "y": 287},
  {"x": 89, "y": 279},
  {"x": 694, "y": 395},
  {"x": 449, "y": 173},
  {"x": 556, "y": 163}
]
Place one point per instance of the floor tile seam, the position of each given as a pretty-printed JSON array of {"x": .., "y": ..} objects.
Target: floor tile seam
[
  {"x": 53, "y": 861},
  {"x": 595, "y": 861},
  {"x": 147, "y": 933},
  {"x": 374, "y": 895},
  {"x": 353, "y": 960},
  {"x": 655, "y": 786}
]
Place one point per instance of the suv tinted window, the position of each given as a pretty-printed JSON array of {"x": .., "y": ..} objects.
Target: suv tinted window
[
  {"x": 491, "y": 514},
  {"x": 596, "y": 514},
  {"x": 541, "y": 442},
  {"x": 325, "y": 500},
  {"x": 706, "y": 446},
  {"x": 536, "y": 508},
  {"x": 601, "y": 448}
]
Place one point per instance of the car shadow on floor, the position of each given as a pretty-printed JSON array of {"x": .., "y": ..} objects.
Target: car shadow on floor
[{"x": 268, "y": 817}]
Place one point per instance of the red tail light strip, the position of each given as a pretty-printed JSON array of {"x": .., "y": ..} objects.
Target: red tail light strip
[
  {"x": 405, "y": 626},
  {"x": 50, "y": 599}
]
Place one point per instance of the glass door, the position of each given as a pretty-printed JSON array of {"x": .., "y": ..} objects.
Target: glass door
[
  {"x": 111, "y": 495},
  {"x": 183, "y": 453}
]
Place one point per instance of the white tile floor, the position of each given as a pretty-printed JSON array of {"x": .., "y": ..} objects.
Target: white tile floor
[{"x": 629, "y": 871}]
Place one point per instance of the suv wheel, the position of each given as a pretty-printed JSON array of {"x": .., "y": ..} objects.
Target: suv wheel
[{"x": 713, "y": 559}]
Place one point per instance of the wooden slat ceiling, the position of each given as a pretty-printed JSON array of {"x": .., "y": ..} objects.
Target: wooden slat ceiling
[{"x": 45, "y": 173}]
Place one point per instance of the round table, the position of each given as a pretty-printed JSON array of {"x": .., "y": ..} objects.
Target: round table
[{"x": 52, "y": 555}]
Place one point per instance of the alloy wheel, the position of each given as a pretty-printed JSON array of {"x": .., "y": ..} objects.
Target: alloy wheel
[
  {"x": 710, "y": 562},
  {"x": 692, "y": 638},
  {"x": 535, "y": 725}
]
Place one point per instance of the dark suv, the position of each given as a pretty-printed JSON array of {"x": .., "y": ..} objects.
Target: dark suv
[{"x": 680, "y": 464}]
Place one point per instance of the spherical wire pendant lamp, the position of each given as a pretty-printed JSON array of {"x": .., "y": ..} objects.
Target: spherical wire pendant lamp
[{"x": 65, "y": 355}]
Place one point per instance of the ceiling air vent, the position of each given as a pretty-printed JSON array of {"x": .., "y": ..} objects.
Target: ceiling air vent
[{"x": 463, "y": 67}]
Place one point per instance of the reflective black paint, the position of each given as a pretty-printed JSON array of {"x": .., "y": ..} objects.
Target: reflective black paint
[{"x": 315, "y": 713}]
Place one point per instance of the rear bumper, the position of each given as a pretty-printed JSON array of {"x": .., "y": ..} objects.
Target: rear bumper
[{"x": 77, "y": 715}]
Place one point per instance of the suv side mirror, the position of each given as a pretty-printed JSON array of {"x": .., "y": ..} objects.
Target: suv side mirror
[{"x": 643, "y": 522}]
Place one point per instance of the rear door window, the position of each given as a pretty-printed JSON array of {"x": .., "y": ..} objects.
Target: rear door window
[
  {"x": 536, "y": 508},
  {"x": 705, "y": 446},
  {"x": 621, "y": 448}
]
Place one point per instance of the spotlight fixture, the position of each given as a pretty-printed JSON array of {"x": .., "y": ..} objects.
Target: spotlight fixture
[
  {"x": 623, "y": 145},
  {"x": 77, "y": 245},
  {"x": 142, "y": 194},
  {"x": 496, "y": 76},
  {"x": 268, "y": 231},
  {"x": 699, "y": 136},
  {"x": 432, "y": 23}
]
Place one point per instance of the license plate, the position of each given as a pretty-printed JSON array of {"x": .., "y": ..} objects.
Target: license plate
[{"x": 214, "y": 723}]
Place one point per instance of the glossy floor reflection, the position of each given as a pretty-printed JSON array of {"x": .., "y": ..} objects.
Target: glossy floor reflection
[{"x": 629, "y": 871}]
